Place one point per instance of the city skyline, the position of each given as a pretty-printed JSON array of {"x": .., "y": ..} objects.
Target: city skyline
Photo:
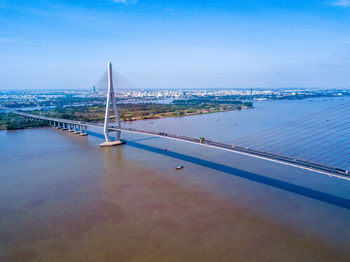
[{"x": 160, "y": 44}]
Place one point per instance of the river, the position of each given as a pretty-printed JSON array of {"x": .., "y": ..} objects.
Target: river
[{"x": 63, "y": 198}]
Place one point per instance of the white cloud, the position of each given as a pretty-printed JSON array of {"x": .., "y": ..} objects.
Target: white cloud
[
  {"x": 343, "y": 41},
  {"x": 347, "y": 41},
  {"x": 10, "y": 40},
  {"x": 125, "y": 1},
  {"x": 342, "y": 3}
]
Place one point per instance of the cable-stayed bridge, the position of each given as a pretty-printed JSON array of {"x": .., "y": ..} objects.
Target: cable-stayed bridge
[{"x": 318, "y": 142}]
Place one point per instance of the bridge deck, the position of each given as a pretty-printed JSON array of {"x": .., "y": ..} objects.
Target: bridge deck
[{"x": 323, "y": 169}]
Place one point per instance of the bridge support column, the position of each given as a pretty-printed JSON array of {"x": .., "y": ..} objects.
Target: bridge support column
[
  {"x": 70, "y": 127},
  {"x": 111, "y": 96},
  {"x": 58, "y": 125},
  {"x": 83, "y": 131},
  {"x": 64, "y": 126},
  {"x": 76, "y": 129}
]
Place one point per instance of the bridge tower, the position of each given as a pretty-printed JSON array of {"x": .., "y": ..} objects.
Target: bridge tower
[{"x": 111, "y": 96}]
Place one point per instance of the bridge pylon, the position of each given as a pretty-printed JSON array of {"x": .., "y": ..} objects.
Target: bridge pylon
[{"x": 111, "y": 98}]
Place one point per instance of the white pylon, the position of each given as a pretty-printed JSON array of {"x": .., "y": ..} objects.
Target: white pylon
[{"x": 111, "y": 96}]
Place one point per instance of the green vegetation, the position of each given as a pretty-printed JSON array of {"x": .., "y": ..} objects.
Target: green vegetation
[
  {"x": 138, "y": 111},
  {"x": 212, "y": 102},
  {"x": 127, "y": 111},
  {"x": 12, "y": 122}
]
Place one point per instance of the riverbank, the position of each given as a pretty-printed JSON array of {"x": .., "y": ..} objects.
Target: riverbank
[
  {"x": 127, "y": 112},
  {"x": 13, "y": 122}
]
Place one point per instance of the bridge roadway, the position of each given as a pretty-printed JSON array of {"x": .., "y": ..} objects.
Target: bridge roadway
[{"x": 303, "y": 164}]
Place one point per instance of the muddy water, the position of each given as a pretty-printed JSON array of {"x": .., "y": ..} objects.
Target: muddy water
[{"x": 62, "y": 198}]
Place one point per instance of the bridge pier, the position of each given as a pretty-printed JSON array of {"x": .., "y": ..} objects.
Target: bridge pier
[
  {"x": 83, "y": 131},
  {"x": 64, "y": 126},
  {"x": 76, "y": 129},
  {"x": 111, "y": 96},
  {"x": 70, "y": 127},
  {"x": 58, "y": 125}
]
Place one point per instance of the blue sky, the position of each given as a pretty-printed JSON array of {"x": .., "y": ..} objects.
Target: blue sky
[{"x": 175, "y": 44}]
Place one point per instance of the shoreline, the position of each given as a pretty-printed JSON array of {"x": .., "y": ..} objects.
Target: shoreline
[
  {"x": 189, "y": 114},
  {"x": 158, "y": 116}
]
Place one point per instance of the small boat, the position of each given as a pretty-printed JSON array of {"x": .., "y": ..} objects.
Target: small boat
[{"x": 179, "y": 167}]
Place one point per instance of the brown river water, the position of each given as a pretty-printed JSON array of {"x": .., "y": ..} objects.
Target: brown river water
[{"x": 63, "y": 198}]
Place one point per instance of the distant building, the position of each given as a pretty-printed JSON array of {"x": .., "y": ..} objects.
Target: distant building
[{"x": 94, "y": 90}]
